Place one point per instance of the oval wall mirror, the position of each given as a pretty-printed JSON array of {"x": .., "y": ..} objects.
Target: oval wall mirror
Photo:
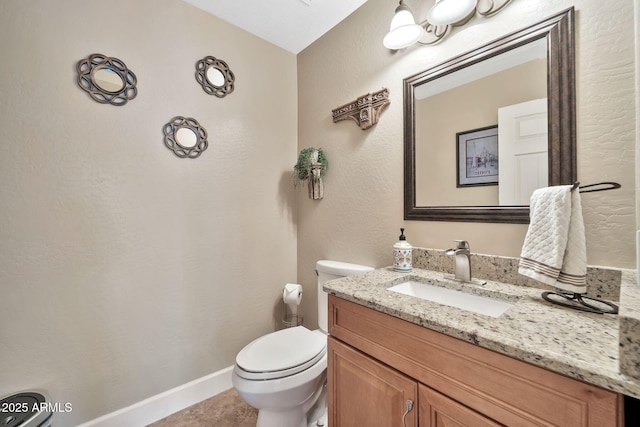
[
  {"x": 462, "y": 119},
  {"x": 214, "y": 76},
  {"x": 185, "y": 137},
  {"x": 106, "y": 79}
]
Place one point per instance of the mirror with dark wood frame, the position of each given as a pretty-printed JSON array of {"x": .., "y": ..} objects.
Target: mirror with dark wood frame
[{"x": 557, "y": 32}]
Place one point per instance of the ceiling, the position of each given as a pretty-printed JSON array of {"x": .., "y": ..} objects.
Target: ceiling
[{"x": 290, "y": 24}]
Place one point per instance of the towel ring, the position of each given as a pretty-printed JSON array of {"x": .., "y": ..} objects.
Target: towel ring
[{"x": 580, "y": 299}]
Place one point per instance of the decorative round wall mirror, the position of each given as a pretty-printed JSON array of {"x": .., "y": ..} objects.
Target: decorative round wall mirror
[
  {"x": 215, "y": 76},
  {"x": 106, "y": 79},
  {"x": 185, "y": 137}
]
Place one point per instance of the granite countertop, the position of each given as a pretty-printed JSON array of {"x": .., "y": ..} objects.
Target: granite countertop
[{"x": 581, "y": 345}]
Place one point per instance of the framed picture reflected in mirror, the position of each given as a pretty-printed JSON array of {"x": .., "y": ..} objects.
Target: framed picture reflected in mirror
[{"x": 477, "y": 157}]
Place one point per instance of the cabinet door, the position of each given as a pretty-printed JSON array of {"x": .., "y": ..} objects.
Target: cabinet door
[
  {"x": 364, "y": 392},
  {"x": 437, "y": 410}
]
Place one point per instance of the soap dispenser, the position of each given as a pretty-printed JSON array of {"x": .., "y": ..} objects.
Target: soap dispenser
[{"x": 402, "y": 254}]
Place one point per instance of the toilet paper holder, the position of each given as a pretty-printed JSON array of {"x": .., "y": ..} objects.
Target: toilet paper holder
[
  {"x": 291, "y": 298},
  {"x": 290, "y": 320}
]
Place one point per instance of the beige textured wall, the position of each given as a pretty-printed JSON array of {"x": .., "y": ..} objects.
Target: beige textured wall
[
  {"x": 126, "y": 271},
  {"x": 359, "y": 218},
  {"x": 637, "y": 38}
]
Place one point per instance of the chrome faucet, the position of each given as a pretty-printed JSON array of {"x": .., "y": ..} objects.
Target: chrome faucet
[
  {"x": 463, "y": 260},
  {"x": 462, "y": 255}
]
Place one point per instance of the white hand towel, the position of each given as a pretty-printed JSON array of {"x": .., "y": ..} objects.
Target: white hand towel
[{"x": 554, "y": 250}]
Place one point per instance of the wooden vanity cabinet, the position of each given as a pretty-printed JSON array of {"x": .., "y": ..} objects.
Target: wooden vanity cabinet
[
  {"x": 377, "y": 362},
  {"x": 367, "y": 393},
  {"x": 437, "y": 410}
]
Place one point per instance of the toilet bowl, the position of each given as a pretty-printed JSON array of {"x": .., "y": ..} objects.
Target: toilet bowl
[
  {"x": 282, "y": 390},
  {"x": 283, "y": 374}
]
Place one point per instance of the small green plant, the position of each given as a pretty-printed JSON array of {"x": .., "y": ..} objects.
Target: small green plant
[{"x": 308, "y": 158}]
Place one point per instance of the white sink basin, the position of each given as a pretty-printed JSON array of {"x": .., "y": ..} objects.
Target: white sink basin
[{"x": 476, "y": 303}]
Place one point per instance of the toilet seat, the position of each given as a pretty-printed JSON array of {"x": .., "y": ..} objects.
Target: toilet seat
[{"x": 281, "y": 354}]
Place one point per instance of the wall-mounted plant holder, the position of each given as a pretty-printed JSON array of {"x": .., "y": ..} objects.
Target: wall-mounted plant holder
[
  {"x": 315, "y": 184},
  {"x": 106, "y": 79},
  {"x": 185, "y": 137},
  {"x": 215, "y": 76},
  {"x": 311, "y": 167},
  {"x": 365, "y": 110}
]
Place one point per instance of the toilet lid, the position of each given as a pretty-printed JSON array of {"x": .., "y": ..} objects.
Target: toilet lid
[{"x": 281, "y": 353}]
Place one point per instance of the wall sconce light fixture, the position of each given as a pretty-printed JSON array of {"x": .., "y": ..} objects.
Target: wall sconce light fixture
[
  {"x": 441, "y": 19},
  {"x": 403, "y": 31}
]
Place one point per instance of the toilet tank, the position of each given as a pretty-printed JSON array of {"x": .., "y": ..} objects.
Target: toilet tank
[{"x": 329, "y": 270}]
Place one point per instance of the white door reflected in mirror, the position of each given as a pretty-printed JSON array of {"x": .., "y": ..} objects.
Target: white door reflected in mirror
[
  {"x": 215, "y": 76},
  {"x": 108, "y": 80},
  {"x": 186, "y": 137},
  {"x": 523, "y": 151}
]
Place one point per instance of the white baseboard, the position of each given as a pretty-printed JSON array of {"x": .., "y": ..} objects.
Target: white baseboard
[{"x": 164, "y": 404}]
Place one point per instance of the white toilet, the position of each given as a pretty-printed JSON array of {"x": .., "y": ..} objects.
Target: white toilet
[{"x": 283, "y": 374}]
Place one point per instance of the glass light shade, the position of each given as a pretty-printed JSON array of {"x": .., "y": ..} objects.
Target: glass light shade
[
  {"x": 447, "y": 12},
  {"x": 403, "y": 31}
]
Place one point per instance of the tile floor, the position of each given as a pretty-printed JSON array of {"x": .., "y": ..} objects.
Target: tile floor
[{"x": 223, "y": 410}]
